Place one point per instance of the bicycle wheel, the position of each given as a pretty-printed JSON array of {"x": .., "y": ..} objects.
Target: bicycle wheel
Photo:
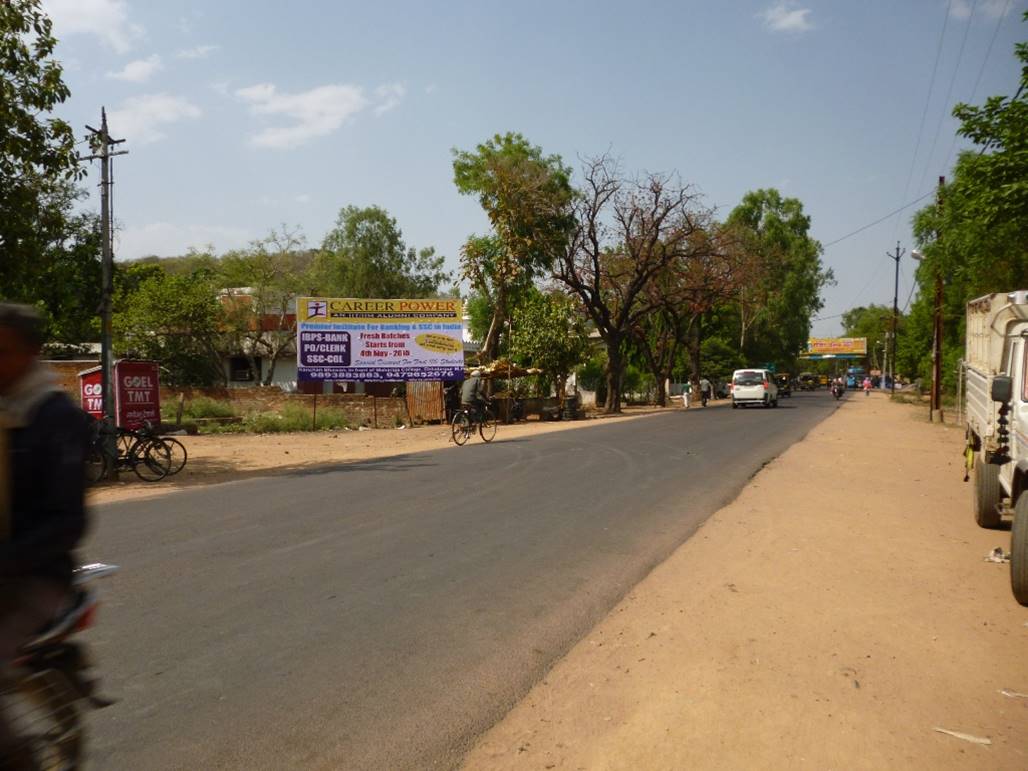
[
  {"x": 177, "y": 452},
  {"x": 461, "y": 428},
  {"x": 150, "y": 459},
  {"x": 487, "y": 428},
  {"x": 97, "y": 465}
]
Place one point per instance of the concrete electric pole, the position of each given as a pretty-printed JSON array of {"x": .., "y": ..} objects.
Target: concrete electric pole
[
  {"x": 102, "y": 144},
  {"x": 895, "y": 315}
]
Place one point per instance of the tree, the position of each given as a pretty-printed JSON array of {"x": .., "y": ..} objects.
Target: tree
[
  {"x": 38, "y": 162},
  {"x": 875, "y": 323},
  {"x": 975, "y": 236},
  {"x": 779, "y": 301},
  {"x": 527, "y": 197},
  {"x": 627, "y": 233},
  {"x": 261, "y": 284},
  {"x": 548, "y": 332},
  {"x": 364, "y": 256},
  {"x": 176, "y": 320}
]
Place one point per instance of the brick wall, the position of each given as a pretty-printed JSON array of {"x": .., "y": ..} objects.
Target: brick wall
[{"x": 360, "y": 409}]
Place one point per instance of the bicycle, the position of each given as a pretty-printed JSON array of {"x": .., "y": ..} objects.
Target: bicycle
[
  {"x": 146, "y": 455},
  {"x": 468, "y": 418},
  {"x": 176, "y": 450}
]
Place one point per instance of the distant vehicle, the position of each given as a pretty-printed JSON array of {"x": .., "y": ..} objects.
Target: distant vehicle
[
  {"x": 808, "y": 381},
  {"x": 823, "y": 380},
  {"x": 784, "y": 382},
  {"x": 754, "y": 386},
  {"x": 855, "y": 376},
  {"x": 996, "y": 361}
]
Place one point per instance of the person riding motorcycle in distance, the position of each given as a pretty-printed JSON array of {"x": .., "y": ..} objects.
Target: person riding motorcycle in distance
[
  {"x": 472, "y": 393},
  {"x": 706, "y": 391},
  {"x": 43, "y": 440}
]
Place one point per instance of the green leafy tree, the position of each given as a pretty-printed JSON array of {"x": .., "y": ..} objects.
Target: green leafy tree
[
  {"x": 176, "y": 320},
  {"x": 548, "y": 332},
  {"x": 777, "y": 305},
  {"x": 527, "y": 197},
  {"x": 49, "y": 254},
  {"x": 364, "y": 255}
]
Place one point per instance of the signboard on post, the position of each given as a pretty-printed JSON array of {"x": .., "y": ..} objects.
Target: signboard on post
[
  {"x": 837, "y": 346},
  {"x": 136, "y": 393},
  {"x": 368, "y": 340}
]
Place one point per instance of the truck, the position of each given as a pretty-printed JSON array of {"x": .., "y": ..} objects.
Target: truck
[{"x": 996, "y": 405}]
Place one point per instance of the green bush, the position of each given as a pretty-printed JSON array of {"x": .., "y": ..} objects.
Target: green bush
[
  {"x": 294, "y": 417},
  {"x": 206, "y": 407}
]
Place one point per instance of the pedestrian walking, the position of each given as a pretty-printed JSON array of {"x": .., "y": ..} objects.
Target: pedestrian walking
[{"x": 686, "y": 390}]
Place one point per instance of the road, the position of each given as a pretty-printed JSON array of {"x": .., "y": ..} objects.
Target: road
[{"x": 383, "y": 614}]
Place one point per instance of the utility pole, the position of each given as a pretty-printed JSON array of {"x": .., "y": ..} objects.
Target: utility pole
[
  {"x": 936, "y": 398},
  {"x": 895, "y": 313},
  {"x": 102, "y": 144}
]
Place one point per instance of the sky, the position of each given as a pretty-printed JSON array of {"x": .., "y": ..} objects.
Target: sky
[{"x": 240, "y": 117}]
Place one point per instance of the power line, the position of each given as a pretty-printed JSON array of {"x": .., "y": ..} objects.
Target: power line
[
  {"x": 927, "y": 102},
  {"x": 978, "y": 79},
  {"x": 949, "y": 95},
  {"x": 877, "y": 221}
]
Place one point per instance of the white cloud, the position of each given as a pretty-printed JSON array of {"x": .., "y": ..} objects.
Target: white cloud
[
  {"x": 107, "y": 20},
  {"x": 314, "y": 113},
  {"x": 198, "y": 52},
  {"x": 389, "y": 96},
  {"x": 961, "y": 9},
  {"x": 166, "y": 239},
  {"x": 138, "y": 71},
  {"x": 431, "y": 88},
  {"x": 141, "y": 118},
  {"x": 786, "y": 16}
]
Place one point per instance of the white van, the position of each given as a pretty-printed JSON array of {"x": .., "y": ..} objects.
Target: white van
[{"x": 754, "y": 386}]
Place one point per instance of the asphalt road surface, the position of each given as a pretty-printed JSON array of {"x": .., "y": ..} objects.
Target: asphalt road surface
[{"x": 383, "y": 614}]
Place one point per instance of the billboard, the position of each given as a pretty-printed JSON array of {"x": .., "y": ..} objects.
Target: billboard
[
  {"x": 837, "y": 346},
  {"x": 365, "y": 340},
  {"x": 137, "y": 396}
]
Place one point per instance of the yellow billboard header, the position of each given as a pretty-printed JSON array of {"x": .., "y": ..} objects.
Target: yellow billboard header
[
  {"x": 328, "y": 310},
  {"x": 838, "y": 346}
]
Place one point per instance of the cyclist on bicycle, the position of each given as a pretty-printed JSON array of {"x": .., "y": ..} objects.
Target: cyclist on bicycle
[
  {"x": 43, "y": 438},
  {"x": 472, "y": 393}
]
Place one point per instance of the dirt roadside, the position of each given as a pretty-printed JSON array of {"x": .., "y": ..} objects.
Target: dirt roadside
[
  {"x": 832, "y": 616},
  {"x": 228, "y": 457}
]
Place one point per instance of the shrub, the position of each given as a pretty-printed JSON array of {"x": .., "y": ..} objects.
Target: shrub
[{"x": 206, "y": 407}]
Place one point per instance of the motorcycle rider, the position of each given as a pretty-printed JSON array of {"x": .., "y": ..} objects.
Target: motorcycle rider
[
  {"x": 706, "y": 389},
  {"x": 43, "y": 439}
]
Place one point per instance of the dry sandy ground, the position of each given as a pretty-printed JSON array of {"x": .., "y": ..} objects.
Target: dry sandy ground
[
  {"x": 227, "y": 457},
  {"x": 832, "y": 616}
]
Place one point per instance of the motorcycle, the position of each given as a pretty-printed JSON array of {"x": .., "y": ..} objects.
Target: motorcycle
[
  {"x": 49, "y": 687},
  {"x": 838, "y": 390}
]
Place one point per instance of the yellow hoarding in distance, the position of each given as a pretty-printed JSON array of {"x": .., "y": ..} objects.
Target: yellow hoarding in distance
[{"x": 837, "y": 346}]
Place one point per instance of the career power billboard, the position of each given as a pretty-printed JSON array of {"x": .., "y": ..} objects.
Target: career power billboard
[{"x": 363, "y": 340}]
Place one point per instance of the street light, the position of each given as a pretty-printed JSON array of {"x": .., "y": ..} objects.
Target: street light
[{"x": 936, "y": 397}]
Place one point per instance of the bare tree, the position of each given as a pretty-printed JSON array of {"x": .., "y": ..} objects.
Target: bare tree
[{"x": 628, "y": 232}]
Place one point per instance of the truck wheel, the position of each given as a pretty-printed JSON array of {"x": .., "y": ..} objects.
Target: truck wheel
[
  {"x": 987, "y": 493},
  {"x": 1019, "y": 551}
]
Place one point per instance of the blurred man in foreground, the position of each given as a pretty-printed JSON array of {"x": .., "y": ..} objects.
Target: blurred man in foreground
[{"x": 43, "y": 438}]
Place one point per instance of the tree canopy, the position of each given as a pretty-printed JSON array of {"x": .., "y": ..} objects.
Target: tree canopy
[{"x": 364, "y": 255}]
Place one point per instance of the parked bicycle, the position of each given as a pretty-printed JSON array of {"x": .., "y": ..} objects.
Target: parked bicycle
[
  {"x": 467, "y": 419},
  {"x": 150, "y": 456}
]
